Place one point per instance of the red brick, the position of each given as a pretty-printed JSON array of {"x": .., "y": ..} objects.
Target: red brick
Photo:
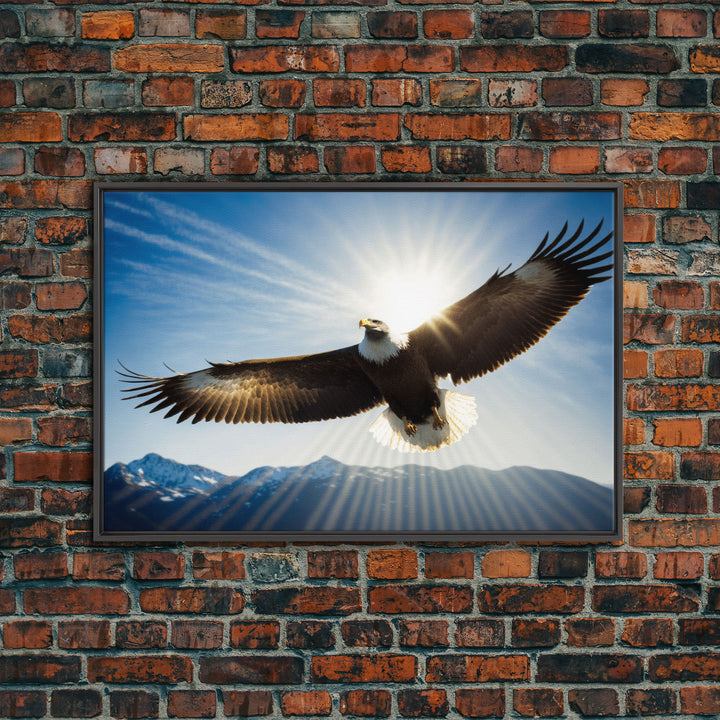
[
  {"x": 381, "y": 668},
  {"x": 16, "y": 500},
  {"x": 168, "y": 91},
  {"x": 395, "y": 92},
  {"x": 481, "y": 702},
  {"x": 538, "y": 702},
  {"x": 512, "y": 93},
  {"x": 27, "y": 634},
  {"x": 111, "y": 127},
  {"x": 648, "y": 632},
  {"x": 589, "y": 668},
  {"x": 392, "y": 564},
  {"x": 662, "y": 127},
  {"x": 134, "y": 634},
  {"x": 278, "y": 23},
  {"x": 610, "y": 565},
  {"x": 256, "y": 126},
  {"x": 228, "y": 24},
  {"x": 518, "y": 159},
  {"x": 388, "y": 25},
  {"x": 120, "y": 160},
  {"x": 513, "y": 599},
  {"x": 406, "y": 158},
  {"x": 435, "y": 126},
  {"x": 30, "y": 127},
  {"x": 570, "y": 125},
  {"x": 218, "y": 565},
  {"x": 85, "y": 634},
  {"x": 419, "y": 599},
  {"x": 41, "y": 565},
  {"x": 140, "y": 669},
  {"x": 49, "y": 194},
  {"x": 247, "y": 702},
  {"x": 282, "y": 93},
  {"x": 678, "y": 566},
  {"x": 7, "y": 93},
  {"x": 448, "y": 24},
  {"x": 652, "y": 193},
  {"x": 366, "y": 703},
  {"x": 158, "y": 566},
  {"x": 135, "y": 704},
  {"x": 660, "y": 701},
  {"x": 28, "y": 262},
  {"x": 191, "y": 703},
  {"x": 623, "y": 92},
  {"x": 169, "y": 57},
  {"x": 564, "y": 23},
  {"x": 590, "y": 632},
  {"x": 506, "y": 563},
  {"x": 633, "y": 431},
  {"x": 62, "y": 230},
  {"x": 682, "y": 160},
  {"x": 623, "y": 23},
  {"x": 450, "y": 565},
  {"x": 686, "y": 532},
  {"x": 18, "y": 363},
  {"x": 649, "y": 465},
  {"x": 23, "y": 703},
  {"x": 60, "y": 296},
  {"x": 60, "y": 162},
  {"x": 628, "y": 160},
  {"x": 196, "y": 634},
  {"x": 312, "y": 600},
  {"x": 670, "y": 432},
  {"x": 99, "y": 566},
  {"x": 108, "y": 25},
  {"x": 76, "y": 601},
  {"x": 700, "y": 700},
  {"x": 255, "y": 635},
  {"x": 673, "y": 397},
  {"x": 651, "y": 328},
  {"x": 477, "y": 668},
  {"x": 13, "y": 230},
  {"x": 241, "y": 669},
  {"x": 684, "y": 666},
  {"x": 63, "y": 430},
  {"x": 309, "y": 702},
  {"x": 347, "y": 126},
  {"x": 535, "y": 633},
  {"x": 575, "y": 161},
  {"x": 681, "y": 23},
  {"x": 688, "y": 499},
  {"x": 368, "y": 633},
  {"x": 456, "y": 93},
  {"x": 513, "y": 58},
  {"x": 53, "y": 467},
  {"x": 685, "y": 229},
  {"x": 701, "y": 329},
  {"x": 285, "y": 58},
  {"x": 342, "y": 564},
  {"x": 208, "y": 600},
  {"x": 39, "y": 669},
  {"x": 234, "y": 161},
  {"x": 480, "y": 633},
  {"x": 430, "y": 702},
  {"x": 332, "y": 92},
  {"x": 45, "y": 329},
  {"x": 423, "y": 633}
]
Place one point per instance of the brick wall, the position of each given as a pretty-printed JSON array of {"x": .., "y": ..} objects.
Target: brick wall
[{"x": 371, "y": 89}]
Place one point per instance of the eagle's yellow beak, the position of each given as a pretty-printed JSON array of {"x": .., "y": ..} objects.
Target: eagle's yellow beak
[{"x": 365, "y": 323}]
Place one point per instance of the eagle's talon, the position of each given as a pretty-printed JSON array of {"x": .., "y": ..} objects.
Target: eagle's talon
[
  {"x": 410, "y": 427},
  {"x": 438, "y": 422}
]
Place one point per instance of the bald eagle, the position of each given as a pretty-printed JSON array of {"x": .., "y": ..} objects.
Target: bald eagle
[{"x": 472, "y": 337}]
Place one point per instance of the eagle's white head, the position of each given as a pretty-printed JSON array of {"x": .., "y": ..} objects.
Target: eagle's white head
[{"x": 380, "y": 343}]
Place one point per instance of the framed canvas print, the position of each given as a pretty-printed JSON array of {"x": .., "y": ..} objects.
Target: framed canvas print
[{"x": 430, "y": 361}]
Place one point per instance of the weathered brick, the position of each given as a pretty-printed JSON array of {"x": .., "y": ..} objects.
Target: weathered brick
[
  {"x": 635, "y": 364},
  {"x": 678, "y": 566},
  {"x": 366, "y": 703},
  {"x": 684, "y": 666},
  {"x": 635, "y": 499},
  {"x": 196, "y": 634},
  {"x": 480, "y": 702},
  {"x": 333, "y": 564},
  {"x": 595, "y": 702},
  {"x": 664, "y": 126},
  {"x": 41, "y": 565},
  {"x": 610, "y": 565},
  {"x": 442, "y": 565},
  {"x": 538, "y": 702},
  {"x": 700, "y": 700},
  {"x": 395, "y": 92},
  {"x": 589, "y": 668},
  {"x": 39, "y": 669},
  {"x": 53, "y": 467},
  {"x": 611, "y": 58},
  {"x": 84, "y": 127},
  {"x": 392, "y": 564},
  {"x": 670, "y": 432},
  {"x": 429, "y": 702},
  {"x": 572, "y": 125},
  {"x": 191, "y": 703},
  {"x": 225, "y": 93},
  {"x": 168, "y": 91},
  {"x": 234, "y": 161},
  {"x": 480, "y": 633},
  {"x": 108, "y": 25},
  {"x": 143, "y": 669},
  {"x": 12, "y": 161},
  {"x": 55, "y": 57},
  {"x": 32, "y": 127},
  {"x": 23, "y": 703},
  {"x": 653, "y": 701},
  {"x": 477, "y": 668},
  {"x": 535, "y": 633},
  {"x": 314, "y": 600},
  {"x": 282, "y": 93},
  {"x": 306, "y": 634},
  {"x": 513, "y": 58},
  {"x": 27, "y": 634},
  {"x": 163, "y": 22},
  {"x": 530, "y": 598},
  {"x": 648, "y": 632},
  {"x": 506, "y": 563},
  {"x": 348, "y": 127},
  {"x": 336, "y": 24},
  {"x": 308, "y": 702},
  {"x": 623, "y": 92},
  {"x": 61, "y": 230},
  {"x": 84, "y": 634},
  {"x": 380, "y": 668},
  {"x": 456, "y": 93},
  {"x": 624, "y": 23},
  {"x": 284, "y": 58},
  {"x": 573, "y": 92},
  {"x": 518, "y": 159},
  {"x": 135, "y": 634},
  {"x": 423, "y": 633},
  {"x": 512, "y": 93},
  {"x": 419, "y": 599},
  {"x": 179, "y": 160},
  {"x": 367, "y": 633},
  {"x": 628, "y": 160},
  {"x": 228, "y": 24},
  {"x": 76, "y": 600},
  {"x": 329, "y": 92},
  {"x": 219, "y": 565},
  {"x": 448, "y": 24},
  {"x": 169, "y": 57},
  {"x": 208, "y": 600},
  {"x": 590, "y": 632},
  {"x": 402, "y": 24},
  {"x": 231, "y": 670},
  {"x": 229, "y": 128},
  {"x": 644, "y": 599},
  {"x": 247, "y": 703},
  {"x": 470, "y": 126},
  {"x": 134, "y": 704},
  {"x": 406, "y": 158},
  {"x": 575, "y": 161}
]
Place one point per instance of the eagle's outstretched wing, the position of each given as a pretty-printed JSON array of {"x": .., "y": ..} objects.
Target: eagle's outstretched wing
[
  {"x": 511, "y": 312},
  {"x": 291, "y": 390}
]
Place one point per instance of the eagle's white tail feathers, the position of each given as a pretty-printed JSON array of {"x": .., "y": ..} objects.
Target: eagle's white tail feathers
[{"x": 457, "y": 409}]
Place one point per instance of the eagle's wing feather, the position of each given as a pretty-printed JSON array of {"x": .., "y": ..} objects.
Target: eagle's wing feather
[
  {"x": 291, "y": 390},
  {"x": 512, "y": 311}
]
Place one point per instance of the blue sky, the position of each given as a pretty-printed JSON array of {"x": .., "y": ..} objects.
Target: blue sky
[{"x": 223, "y": 276}]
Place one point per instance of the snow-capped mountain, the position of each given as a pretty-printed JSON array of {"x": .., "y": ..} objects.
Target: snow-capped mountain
[{"x": 155, "y": 493}]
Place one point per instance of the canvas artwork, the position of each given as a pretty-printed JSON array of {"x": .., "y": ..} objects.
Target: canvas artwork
[{"x": 296, "y": 361}]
